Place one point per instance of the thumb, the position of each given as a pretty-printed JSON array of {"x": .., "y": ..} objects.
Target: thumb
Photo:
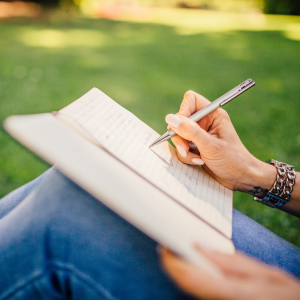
[{"x": 189, "y": 130}]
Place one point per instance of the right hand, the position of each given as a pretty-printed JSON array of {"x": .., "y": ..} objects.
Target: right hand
[{"x": 224, "y": 156}]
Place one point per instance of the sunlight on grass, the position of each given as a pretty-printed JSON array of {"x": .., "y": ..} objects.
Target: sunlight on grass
[
  {"x": 191, "y": 22},
  {"x": 293, "y": 32},
  {"x": 184, "y": 22},
  {"x": 51, "y": 38}
]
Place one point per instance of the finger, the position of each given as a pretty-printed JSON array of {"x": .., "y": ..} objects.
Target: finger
[
  {"x": 179, "y": 141},
  {"x": 191, "y": 103},
  {"x": 193, "y": 280},
  {"x": 189, "y": 130},
  {"x": 183, "y": 152},
  {"x": 238, "y": 264}
]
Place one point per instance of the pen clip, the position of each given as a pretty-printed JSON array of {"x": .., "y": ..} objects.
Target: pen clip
[{"x": 241, "y": 88}]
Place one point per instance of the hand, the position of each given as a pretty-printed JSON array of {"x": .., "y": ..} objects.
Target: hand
[
  {"x": 222, "y": 153},
  {"x": 244, "y": 278}
]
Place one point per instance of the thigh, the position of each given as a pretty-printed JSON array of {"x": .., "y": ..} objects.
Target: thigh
[
  {"x": 61, "y": 243},
  {"x": 11, "y": 200},
  {"x": 262, "y": 244}
]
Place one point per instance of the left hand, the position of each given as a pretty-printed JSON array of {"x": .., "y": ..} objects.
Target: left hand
[{"x": 244, "y": 278}]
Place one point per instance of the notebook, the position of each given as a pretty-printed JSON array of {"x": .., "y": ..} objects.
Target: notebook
[{"x": 104, "y": 148}]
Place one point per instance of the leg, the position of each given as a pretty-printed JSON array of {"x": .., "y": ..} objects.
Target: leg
[
  {"x": 11, "y": 200},
  {"x": 61, "y": 243},
  {"x": 259, "y": 242}
]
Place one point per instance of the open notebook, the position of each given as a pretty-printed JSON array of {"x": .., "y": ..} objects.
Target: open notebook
[{"x": 105, "y": 149}]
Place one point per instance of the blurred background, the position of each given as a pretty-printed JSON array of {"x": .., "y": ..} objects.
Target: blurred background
[{"x": 145, "y": 54}]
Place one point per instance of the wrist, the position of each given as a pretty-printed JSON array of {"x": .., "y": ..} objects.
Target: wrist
[{"x": 260, "y": 179}]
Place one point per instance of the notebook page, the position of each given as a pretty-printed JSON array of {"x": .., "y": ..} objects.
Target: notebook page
[
  {"x": 128, "y": 138},
  {"x": 135, "y": 199}
]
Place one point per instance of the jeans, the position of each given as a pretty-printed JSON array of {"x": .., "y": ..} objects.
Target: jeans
[{"x": 59, "y": 242}]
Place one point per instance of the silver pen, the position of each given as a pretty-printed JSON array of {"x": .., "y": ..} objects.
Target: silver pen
[{"x": 241, "y": 88}]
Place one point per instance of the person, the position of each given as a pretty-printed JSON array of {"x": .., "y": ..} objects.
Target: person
[{"x": 59, "y": 242}]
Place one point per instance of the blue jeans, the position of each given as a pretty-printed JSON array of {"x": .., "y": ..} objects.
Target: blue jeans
[{"x": 58, "y": 242}]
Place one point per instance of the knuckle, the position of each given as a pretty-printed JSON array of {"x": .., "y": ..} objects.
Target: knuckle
[
  {"x": 189, "y": 95},
  {"x": 189, "y": 130},
  {"x": 189, "y": 92},
  {"x": 223, "y": 113},
  {"x": 183, "y": 106},
  {"x": 193, "y": 128}
]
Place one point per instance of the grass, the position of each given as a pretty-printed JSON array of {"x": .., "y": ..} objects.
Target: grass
[{"x": 147, "y": 66}]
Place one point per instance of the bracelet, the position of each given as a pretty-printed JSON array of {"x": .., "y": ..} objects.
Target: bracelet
[{"x": 283, "y": 186}]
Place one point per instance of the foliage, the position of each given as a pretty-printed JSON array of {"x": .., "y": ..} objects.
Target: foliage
[
  {"x": 283, "y": 7},
  {"x": 47, "y": 3},
  {"x": 147, "y": 68},
  {"x": 227, "y": 5}
]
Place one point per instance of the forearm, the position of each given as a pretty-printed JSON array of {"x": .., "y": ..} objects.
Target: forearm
[{"x": 293, "y": 206}]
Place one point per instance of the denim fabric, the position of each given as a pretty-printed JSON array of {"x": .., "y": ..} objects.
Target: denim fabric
[
  {"x": 255, "y": 240},
  {"x": 58, "y": 242},
  {"x": 61, "y": 243}
]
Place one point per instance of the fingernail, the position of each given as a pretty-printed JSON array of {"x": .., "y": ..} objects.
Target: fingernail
[
  {"x": 173, "y": 120},
  {"x": 181, "y": 150},
  {"x": 197, "y": 161}
]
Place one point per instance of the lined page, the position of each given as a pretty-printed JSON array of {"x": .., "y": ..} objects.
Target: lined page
[{"x": 128, "y": 138}]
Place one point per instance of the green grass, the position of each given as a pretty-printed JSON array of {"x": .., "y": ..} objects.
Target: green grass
[{"x": 147, "y": 67}]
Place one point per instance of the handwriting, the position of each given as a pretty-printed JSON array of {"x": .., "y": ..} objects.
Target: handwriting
[{"x": 128, "y": 138}]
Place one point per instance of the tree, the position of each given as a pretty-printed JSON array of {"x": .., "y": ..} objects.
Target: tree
[{"x": 284, "y": 7}]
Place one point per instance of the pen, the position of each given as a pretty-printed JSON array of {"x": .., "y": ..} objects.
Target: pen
[{"x": 221, "y": 101}]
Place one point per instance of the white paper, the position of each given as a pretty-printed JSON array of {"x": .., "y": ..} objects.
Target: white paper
[
  {"x": 118, "y": 187},
  {"x": 128, "y": 138}
]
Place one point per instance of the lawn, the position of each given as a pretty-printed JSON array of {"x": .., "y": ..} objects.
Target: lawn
[{"x": 146, "y": 66}]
